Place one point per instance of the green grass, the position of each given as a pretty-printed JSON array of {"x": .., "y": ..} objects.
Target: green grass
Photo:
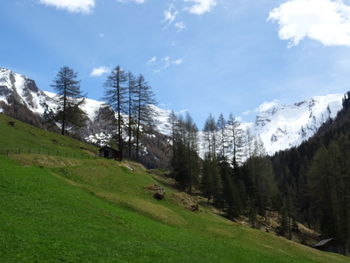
[
  {"x": 57, "y": 209},
  {"x": 26, "y": 138}
]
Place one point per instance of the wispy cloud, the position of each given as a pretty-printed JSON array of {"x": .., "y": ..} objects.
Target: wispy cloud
[
  {"x": 327, "y": 21},
  {"x": 99, "y": 71},
  {"x": 76, "y": 6},
  {"x": 170, "y": 17},
  {"x": 162, "y": 64},
  {"x": 180, "y": 26},
  {"x": 200, "y": 7},
  {"x": 170, "y": 14},
  {"x": 132, "y": 1},
  {"x": 152, "y": 61}
]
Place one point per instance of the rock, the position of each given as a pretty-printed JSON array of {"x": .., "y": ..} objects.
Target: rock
[
  {"x": 159, "y": 191},
  {"x": 159, "y": 195},
  {"x": 194, "y": 207}
]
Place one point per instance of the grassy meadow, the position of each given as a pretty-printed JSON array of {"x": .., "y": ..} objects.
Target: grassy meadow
[{"x": 66, "y": 209}]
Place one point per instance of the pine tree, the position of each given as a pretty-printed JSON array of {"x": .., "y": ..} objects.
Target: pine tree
[
  {"x": 69, "y": 98},
  {"x": 230, "y": 194},
  {"x": 115, "y": 95},
  {"x": 185, "y": 159}
]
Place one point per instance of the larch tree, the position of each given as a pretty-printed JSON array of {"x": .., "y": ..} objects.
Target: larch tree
[
  {"x": 221, "y": 126},
  {"x": 236, "y": 140},
  {"x": 210, "y": 136},
  {"x": 144, "y": 100},
  {"x": 70, "y": 98},
  {"x": 116, "y": 96},
  {"x": 131, "y": 110}
]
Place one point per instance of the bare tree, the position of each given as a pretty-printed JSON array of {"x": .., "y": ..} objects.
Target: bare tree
[
  {"x": 115, "y": 96},
  {"x": 70, "y": 98},
  {"x": 144, "y": 98}
]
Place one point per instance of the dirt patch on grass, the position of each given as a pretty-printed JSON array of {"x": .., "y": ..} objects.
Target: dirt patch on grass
[
  {"x": 44, "y": 160},
  {"x": 185, "y": 200}
]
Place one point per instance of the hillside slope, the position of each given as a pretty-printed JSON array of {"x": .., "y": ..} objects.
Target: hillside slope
[{"x": 65, "y": 209}]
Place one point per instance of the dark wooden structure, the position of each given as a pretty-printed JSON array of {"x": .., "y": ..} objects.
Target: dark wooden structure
[
  {"x": 109, "y": 153},
  {"x": 331, "y": 245}
]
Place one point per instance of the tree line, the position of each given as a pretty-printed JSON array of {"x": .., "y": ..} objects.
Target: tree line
[
  {"x": 308, "y": 184},
  {"x": 233, "y": 174},
  {"x": 314, "y": 179},
  {"x": 128, "y": 96}
]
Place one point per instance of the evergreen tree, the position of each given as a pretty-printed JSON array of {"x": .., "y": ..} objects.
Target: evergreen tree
[
  {"x": 185, "y": 159},
  {"x": 230, "y": 191},
  {"x": 70, "y": 98}
]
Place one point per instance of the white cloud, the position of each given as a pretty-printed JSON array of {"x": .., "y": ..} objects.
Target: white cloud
[
  {"x": 327, "y": 21},
  {"x": 97, "y": 72},
  {"x": 180, "y": 26},
  {"x": 200, "y": 7},
  {"x": 170, "y": 14},
  {"x": 133, "y": 1},
  {"x": 74, "y": 6},
  {"x": 152, "y": 61},
  {"x": 177, "y": 61},
  {"x": 164, "y": 63}
]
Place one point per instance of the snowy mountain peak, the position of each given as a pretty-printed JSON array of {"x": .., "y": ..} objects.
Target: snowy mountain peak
[
  {"x": 16, "y": 88},
  {"x": 279, "y": 126},
  {"x": 284, "y": 126}
]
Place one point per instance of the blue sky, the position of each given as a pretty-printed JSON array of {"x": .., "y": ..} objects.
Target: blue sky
[{"x": 206, "y": 56}]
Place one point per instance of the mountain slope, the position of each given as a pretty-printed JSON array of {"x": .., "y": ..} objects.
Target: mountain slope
[{"x": 76, "y": 210}]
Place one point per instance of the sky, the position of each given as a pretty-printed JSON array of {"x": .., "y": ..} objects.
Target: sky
[{"x": 204, "y": 56}]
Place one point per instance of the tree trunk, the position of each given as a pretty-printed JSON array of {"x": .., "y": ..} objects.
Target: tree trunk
[{"x": 64, "y": 109}]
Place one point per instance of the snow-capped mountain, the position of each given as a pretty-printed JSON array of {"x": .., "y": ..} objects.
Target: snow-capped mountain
[
  {"x": 278, "y": 126},
  {"x": 282, "y": 126},
  {"x": 16, "y": 88}
]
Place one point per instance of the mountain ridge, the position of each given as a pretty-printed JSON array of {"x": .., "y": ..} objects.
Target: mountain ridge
[{"x": 278, "y": 126}]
